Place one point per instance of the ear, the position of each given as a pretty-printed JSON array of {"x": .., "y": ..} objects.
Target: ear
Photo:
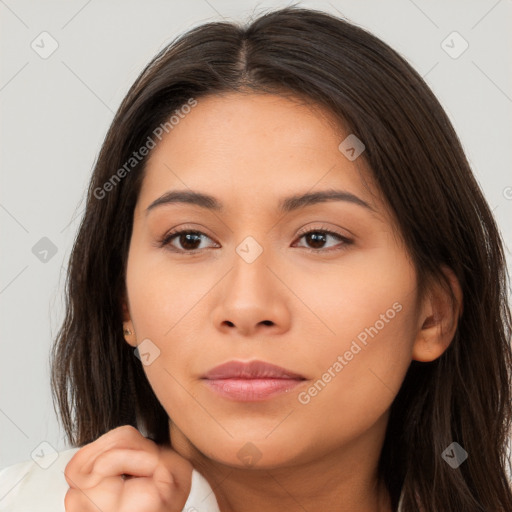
[
  {"x": 438, "y": 319},
  {"x": 128, "y": 329}
]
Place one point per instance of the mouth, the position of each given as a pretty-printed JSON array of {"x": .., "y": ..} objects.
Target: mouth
[{"x": 252, "y": 381}]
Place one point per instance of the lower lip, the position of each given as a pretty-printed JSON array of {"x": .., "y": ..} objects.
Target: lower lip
[{"x": 252, "y": 390}]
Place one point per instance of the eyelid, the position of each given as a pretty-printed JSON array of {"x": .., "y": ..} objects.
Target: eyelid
[
  {"x": 333, "y": 231},
  {"x": 165, "y": 240},
  {"x": 344, "y": 240}
]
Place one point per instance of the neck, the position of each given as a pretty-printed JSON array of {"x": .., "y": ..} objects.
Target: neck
[{"x": 343, "y": 480}]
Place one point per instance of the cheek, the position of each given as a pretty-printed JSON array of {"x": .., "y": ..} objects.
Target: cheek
[
  {"x": 156, "y": 306},
  {"x": 365, "y": 297},
  {"x": 161, "y": 296},
  {"x": 356, "y": 384},
  {"x": 165, "y": 308},
  {"x": 360, "y": 365}
]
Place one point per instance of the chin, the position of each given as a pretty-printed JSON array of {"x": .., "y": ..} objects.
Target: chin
[{"x": 263, "y": 454}]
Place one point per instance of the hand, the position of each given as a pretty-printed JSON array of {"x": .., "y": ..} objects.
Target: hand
[{"x": 122, "y": 471}]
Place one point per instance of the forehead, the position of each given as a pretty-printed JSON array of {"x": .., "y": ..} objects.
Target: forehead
[{"x": 250, "y": 147}]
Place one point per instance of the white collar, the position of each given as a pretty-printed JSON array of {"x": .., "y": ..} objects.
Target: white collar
[{"x": 201, "y": 497}]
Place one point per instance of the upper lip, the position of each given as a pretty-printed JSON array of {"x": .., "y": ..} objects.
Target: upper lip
[{"x": 250, "y": 370}]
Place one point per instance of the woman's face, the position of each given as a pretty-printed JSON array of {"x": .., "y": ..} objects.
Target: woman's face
[{"x": 339, "y": 310}]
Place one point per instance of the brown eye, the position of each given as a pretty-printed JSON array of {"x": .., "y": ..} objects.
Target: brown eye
[
  {"x": 316, "y": 240},
  {"x": 189, "y": 241}
]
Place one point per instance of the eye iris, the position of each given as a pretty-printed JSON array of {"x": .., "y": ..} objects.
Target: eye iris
[
  {"x": 187, "y": 238},
  {"x": 315, "y": 237}
]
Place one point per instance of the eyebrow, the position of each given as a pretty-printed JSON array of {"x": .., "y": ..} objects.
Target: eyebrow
[{"x": 286, "y": 205}]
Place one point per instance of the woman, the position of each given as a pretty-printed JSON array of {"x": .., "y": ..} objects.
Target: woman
[{"x": 288, "y": 279}]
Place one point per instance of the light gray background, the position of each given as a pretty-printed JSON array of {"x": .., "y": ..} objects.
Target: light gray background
[{"x": 56, "y": 111}]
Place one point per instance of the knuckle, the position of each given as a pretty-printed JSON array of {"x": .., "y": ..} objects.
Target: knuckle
[
  {"x": 152, "y": 498},
  {"x": 125, "y": 432},
  {"x": 72, "y": 469},
  {"x": 127, "y": 429},
  {"x": 68, "y": 501},
  {"x": 69, "y": 477},
  {"x": 72, "y": 502}
]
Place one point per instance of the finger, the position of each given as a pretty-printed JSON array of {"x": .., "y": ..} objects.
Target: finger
[
  {"x": 180, "y": 467},
  {"x": 136, "y": 463},
  {"x": 104, "y": 498},
  {"x": 125, "y": 436},
  {"x": 164, "y": 491},
  {"x": 142, "y": 494},
  {"x": 134, "y": 496},
  {"x": 121, "y": 437}
]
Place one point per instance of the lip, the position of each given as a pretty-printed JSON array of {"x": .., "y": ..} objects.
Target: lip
[
  {"x": 251, "y": 381},
  {"x": 250, "y": 370}
]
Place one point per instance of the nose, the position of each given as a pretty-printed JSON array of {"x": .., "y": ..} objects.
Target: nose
[{"x": 252, "y": 300}]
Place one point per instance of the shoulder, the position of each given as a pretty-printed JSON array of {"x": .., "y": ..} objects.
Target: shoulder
[
  {"x": 40, "y": 485},
  {"x": 37, "y": 484}
]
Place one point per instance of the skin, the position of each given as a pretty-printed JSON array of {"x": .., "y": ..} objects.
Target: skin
[
  {"x": 292, "y": 307},
  {"x": 157, "y": 478}
]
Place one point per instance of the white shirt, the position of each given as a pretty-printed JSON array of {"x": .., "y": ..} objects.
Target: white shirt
[{"x": 27, "y": 487}]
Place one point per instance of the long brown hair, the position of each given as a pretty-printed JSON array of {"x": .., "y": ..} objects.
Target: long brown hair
[{"x": 419, "y": 165}]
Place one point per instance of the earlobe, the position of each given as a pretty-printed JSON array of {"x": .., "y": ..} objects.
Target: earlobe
[
  {"x": 128, "y": 330},
  {"x": 129, "y": 334},
  {"x": 440, "y": 313}
]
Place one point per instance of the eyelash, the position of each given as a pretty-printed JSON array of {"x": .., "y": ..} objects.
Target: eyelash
[{"x": 168, "y": 237}]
